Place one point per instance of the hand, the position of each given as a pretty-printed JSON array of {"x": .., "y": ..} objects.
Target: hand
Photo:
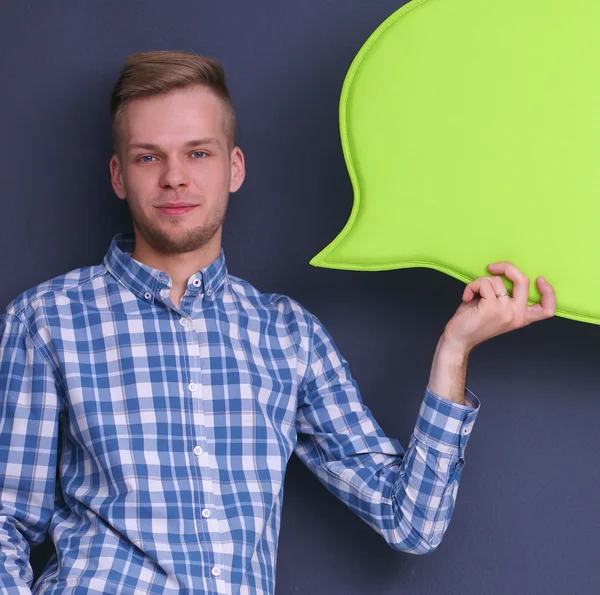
[{"x": 487, "y": 310}]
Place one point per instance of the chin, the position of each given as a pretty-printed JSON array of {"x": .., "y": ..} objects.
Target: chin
[{"x": 186, "y": 241}]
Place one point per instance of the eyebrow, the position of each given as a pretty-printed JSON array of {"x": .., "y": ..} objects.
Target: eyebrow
[{"x": 188, "y": 144}]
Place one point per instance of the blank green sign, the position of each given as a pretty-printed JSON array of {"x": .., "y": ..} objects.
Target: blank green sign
[{"x": 471, "y": 132}]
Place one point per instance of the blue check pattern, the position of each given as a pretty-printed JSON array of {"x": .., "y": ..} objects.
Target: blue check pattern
[{"x": 151, "y": 441}]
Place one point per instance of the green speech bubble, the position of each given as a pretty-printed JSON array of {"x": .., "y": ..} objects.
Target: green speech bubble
[{"x": 471, "y": 133}]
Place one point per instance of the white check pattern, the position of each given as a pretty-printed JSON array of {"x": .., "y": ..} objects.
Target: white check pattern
[{"x": 151, "y": 441}]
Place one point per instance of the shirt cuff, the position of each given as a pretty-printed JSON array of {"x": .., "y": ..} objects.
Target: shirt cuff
[{"x": 446, "y": 426}]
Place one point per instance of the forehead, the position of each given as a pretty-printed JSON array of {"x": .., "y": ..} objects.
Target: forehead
[{"x": 173, "y": 117}]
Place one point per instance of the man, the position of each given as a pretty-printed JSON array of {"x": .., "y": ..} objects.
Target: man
[{"x": 150, "y": 404}]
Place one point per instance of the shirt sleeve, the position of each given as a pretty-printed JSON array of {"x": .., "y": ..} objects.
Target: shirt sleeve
[
  {"x": 406, "y": 496},
  {"x": 29, "y": 409}
]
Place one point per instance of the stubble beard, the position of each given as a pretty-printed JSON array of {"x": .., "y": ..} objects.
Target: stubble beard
[{"x": 178, "y": 241}]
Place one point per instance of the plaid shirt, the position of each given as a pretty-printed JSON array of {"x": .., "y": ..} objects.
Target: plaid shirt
[{"x": 151, "y": 441}]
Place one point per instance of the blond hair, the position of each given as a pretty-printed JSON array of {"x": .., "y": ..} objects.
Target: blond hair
[{"x": 146, "y": 74}]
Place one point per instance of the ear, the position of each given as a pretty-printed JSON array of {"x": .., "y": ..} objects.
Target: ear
[
  {"x": 116, "y": 177},
  {"x": 238, "y": 169}
]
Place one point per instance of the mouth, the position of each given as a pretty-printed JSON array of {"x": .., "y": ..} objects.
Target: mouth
[{"x": 176, "y": 210}]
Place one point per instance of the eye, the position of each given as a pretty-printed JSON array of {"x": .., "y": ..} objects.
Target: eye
[
  {"x": 198, "y": 154},
  {"x": 145, "y": 159}
]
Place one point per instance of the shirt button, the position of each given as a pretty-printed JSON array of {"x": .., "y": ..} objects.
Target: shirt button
[
  {"x": 147, "y": 295},
  {"x": 216, "y": 571},
  {"x": 208, "y": 292},
  {"x": 192, "y": 386},
  {"x": 197, "y": 282},
  {"x": 198, "y": 450},
  {"x": 185, "y": 323},
  {"x": 206, "y": 513},
  {"x": 164, "y": 293}
]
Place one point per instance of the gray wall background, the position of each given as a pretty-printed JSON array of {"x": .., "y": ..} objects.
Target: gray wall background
[{"x": 527, "y": 518}]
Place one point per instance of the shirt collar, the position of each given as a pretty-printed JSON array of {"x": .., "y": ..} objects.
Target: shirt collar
[{"x": 147, "y": 282}]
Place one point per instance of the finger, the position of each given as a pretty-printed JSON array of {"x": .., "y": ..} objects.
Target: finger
[
  {"x": 547, "y": 307},
  {"x": 481, "y": 286},
  {"x": 470, "y": 291},
  {"x": 499, "y": 288},
  {"x": 497, "y": 285},
  {"x": 519, "y": 279}
]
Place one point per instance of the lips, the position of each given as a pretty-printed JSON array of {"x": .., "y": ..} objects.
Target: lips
[{"x": 176, "y": 208}]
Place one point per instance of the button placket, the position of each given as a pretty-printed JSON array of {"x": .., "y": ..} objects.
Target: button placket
[
  {"x": 206, "y": 499},
  {"x": 207, "y": 522}
]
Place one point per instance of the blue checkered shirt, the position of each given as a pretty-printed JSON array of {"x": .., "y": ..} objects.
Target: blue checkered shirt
[{"x": 151, "y": 441}]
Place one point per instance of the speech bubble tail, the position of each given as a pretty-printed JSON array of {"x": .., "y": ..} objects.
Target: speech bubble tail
[
  {"x": 335, "y": 256},
  {"x": 323, "y": 260}
]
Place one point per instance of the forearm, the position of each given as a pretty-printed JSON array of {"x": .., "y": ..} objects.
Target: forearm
[
  {"x": 408, "y": 497},
  {"x": 432, "y": 467},
  {"x": 28, "y": 452},
  {"x": 449, "y": 371}
]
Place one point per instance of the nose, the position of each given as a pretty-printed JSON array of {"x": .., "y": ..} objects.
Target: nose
[{"x": 174, "y": 175}]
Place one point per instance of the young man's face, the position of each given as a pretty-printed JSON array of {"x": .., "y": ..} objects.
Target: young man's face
[{"x": 173, "y": 148}]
